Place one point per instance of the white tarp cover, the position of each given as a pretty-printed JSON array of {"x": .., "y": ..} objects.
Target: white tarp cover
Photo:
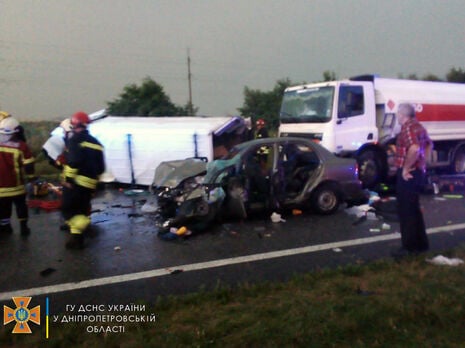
[{"x": 153, "y": 140}]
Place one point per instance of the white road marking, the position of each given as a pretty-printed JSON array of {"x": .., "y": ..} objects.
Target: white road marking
[{"x": 45, "y": 290}]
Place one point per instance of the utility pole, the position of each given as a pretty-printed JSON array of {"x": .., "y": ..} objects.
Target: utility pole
[{"x": 189, "y": 78}]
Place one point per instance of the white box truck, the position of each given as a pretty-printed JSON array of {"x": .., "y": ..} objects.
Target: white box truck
[
  {"x": 357, "y": 118},
  {"x": 135, "y": 146}
]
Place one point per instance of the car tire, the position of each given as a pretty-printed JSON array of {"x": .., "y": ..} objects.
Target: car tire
[
  {"x": 326, "y": 199},
  {"x": 458, "y": 165},
  {"x": 372, "y": 168}
]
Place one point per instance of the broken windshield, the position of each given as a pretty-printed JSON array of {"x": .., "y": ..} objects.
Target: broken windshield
[{"x": 312, "y": 105}]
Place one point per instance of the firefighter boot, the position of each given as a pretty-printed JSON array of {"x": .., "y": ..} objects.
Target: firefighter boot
[
  {"x": 6, "y": 229},
  {"x": 25, "y": 230},
  {"x": 75, "y": 241},
  {"x": 77, "y": 225}
]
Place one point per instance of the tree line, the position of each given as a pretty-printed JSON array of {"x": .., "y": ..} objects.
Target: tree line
[{"x": 149, "y": 98}]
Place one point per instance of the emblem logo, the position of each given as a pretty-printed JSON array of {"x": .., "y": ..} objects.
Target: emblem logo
[{"x": 21, "y": 315}]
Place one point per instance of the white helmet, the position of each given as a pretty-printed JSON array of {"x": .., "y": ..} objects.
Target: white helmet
[{"x": 9, "y": 126}]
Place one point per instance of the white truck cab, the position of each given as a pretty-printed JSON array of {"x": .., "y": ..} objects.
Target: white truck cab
[{"x": 357, "y": 118}]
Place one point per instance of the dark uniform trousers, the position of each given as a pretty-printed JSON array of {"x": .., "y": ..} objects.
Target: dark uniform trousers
[
  {"x": 412, "y": 225},
  {"x": 75, "y": 207},
  {"x": 6, "y": 208},
  {"x": 84, "y": 163}
]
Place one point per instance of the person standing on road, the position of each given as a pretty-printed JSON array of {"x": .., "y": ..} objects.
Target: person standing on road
[
  {"x": 84, "y": 163},
  {"x": 413, "y": 148},
  {"x": 16, "y": 162}
]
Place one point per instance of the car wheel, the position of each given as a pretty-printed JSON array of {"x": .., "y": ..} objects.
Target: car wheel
[
  {"x": 372, "y": 169},
  {"x": 326, "y": 199},
  {"x": 459, "y": 161}
]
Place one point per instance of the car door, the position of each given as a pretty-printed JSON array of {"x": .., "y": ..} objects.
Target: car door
[
  {"x": 257, "y": 170},
  {"x": 298, "y": 165},
  {"x": 356, "y": 123}
]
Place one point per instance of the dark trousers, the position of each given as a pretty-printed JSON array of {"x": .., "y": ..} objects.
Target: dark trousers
[
  {"x": 6, "y": 207},
  {"x": 412, "y": 225},
  {"x": 76, "y": 201}
]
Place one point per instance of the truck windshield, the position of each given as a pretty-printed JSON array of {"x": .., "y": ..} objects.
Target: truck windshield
[{"x": 312, "y": 105}]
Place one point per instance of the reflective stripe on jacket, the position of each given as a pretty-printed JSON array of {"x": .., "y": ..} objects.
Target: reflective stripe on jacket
[
  {"x": 84, "y": 160},
  {"x": 14, "y": 157}
]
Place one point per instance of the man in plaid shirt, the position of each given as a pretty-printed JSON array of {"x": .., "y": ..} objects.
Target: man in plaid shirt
[{"x": 413, "y": 148}]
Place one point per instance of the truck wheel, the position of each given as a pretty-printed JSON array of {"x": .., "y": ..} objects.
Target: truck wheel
[
  {"x": 459, "y": 161},
  {"x": 326, "y": 199},
  {"x": 371, "y": 168}
]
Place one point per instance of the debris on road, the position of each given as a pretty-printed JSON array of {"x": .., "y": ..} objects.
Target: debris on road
[
  {"x": 117, "y": 248},
  {"x": 445, "y": 261},
  {"x": 385, "y": 226},
  {"x": 47, "y": 271},
  {"x": 359, "y": 210},
  {"x": 337, "y": 250},
  {"x": 174, "y": 233},
  {"x": 275, "y": 217}
]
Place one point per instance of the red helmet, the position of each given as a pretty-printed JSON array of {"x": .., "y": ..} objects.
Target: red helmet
[
  {"x": 80, "y": 119},
  {"x": 260, "y": 122}
]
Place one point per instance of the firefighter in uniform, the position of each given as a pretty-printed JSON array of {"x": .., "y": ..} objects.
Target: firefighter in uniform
[
  {"x": 16, "y": 162},
  {"x": 84, "y": 163},
  {"x": 262, "y": 131}
]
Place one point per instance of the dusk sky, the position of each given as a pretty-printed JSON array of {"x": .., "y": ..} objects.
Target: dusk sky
[{"x": 60, "y": 56}]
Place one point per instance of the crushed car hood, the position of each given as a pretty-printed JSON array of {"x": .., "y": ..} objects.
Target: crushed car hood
[{"x": 172, "y": 173}]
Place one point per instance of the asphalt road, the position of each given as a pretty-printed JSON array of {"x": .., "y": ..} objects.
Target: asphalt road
[{"x": 124, "y": 260}]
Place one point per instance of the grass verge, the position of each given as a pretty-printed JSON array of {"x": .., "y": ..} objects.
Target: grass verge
[{"x": 410, "y": 303}]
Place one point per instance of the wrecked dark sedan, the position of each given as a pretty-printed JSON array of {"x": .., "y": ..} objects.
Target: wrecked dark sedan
[{"x": 269, "y": 174}]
